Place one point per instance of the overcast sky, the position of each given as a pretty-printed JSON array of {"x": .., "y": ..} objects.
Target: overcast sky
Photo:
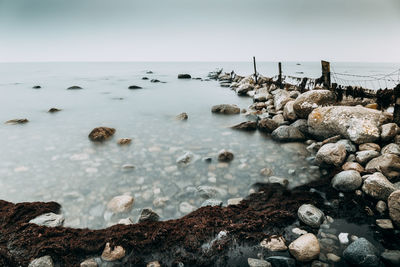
[{"x": 202, "y": 30}]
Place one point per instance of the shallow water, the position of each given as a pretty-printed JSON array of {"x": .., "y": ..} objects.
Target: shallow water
[{"x": 51, "y": 159}]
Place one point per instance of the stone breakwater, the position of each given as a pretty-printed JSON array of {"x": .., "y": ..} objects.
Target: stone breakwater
[{"x": 355, "y": 145}]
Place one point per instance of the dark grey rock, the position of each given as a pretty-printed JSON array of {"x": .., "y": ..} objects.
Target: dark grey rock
[
  {"x": 148, "y": 215},
  {"x": 184, "y": 76},
  {"x": 361, "y": 253},
  {"x": 280, "y": 261}
]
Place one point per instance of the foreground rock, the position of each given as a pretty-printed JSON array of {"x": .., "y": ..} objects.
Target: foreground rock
[
  {"x": 246, "y": 126},
  {"x": 49, "y": 219},
  {"x": 361, "y": 253},
  {"x": 331, "y": 154},
  {"x": 184, "y": 76},
  {"x": 388, "y": 164},
  {"x": 377, "y": 186},
  {"x": 44, "y": 261},
  {"x": 347, "y": 181},
  {"x": 112, "y": 254},
  {"x": 17, "y": 121},
  {"x": 394, "y": 207},
  {"x": 287, "y": 133},
  {"x": 101, "y": 134},
  {"x": 359, "y": 124},
  {"x": 225, "y": 109},
  {"x": 310, "y": 215},
  {"x": 288, "y": 111},
  {"x": 305, "y": 248},
  {"x": 120, "y": 204},
  {"x": 308, "y": 101}
]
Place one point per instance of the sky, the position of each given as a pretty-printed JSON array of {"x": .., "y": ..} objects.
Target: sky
[{"x": 202, "y": 30}]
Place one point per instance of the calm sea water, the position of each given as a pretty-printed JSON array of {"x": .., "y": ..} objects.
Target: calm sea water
[{"x": 51, "y": 159}]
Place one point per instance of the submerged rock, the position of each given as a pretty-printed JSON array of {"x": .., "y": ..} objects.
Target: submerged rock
[
  {"x": 184, "y": 76},
  {"x": 305, "y": 248},
  {"x": 45, "y": 261},
  {"x": 49, "y": 220},
  {"x": 347, "y": 181},
  {"x": 101, "y": 134},
  {"x": 310, "y": 215},
  {"x": 17, "y": 121},
  {"x": 36, "y": 87},
  {"x": 331, "y": 154},
  {"x": 394, "y": 207},
  {"x": 308, "y": 101},
  {"x": 182, "y": 117},
  {"x": 362, "y": 253},
  {"x": 185, "y": 159},
  {"x": 246, "y": 126},
  {"x": 359, "y": 124},
  {"x": 226, "y": 109},
  {"x": 53, "y": 110},
  {"x": 112, "y": 254},
  {"x": 124, "y": 141},
  {"x": 287, "y": 133}
]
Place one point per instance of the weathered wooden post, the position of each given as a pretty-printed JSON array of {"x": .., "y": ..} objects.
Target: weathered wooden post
[
  {"x": 255, "y": 69},
  {"x": 396, "y": 112},
  {"x": 326, "y": 73},
  {"x": 280, "y": 75}
]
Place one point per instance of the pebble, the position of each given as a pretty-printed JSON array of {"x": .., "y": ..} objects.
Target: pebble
[
  {"x": 114, "y": 254},
  {"x": 126, "y": 221},
  {"x": 381, "y": 206},
  {"x": 45, "y": 261},
  {"x": 310, "y": 215},
  {"x": 120, "y": 204},
  {"x": 148, "y": 215},
  {"x": 384, "y": 223},
  {"x": 361, "y": 253},
  {"x": 332, "y": 257},
  {"x": 212, "y": 202},
  {"x": 153, "y": 264},
  {"x": 305, "y": 248}
]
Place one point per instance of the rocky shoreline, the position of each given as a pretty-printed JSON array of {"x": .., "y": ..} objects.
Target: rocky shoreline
[{"x": 355, "y": 145}]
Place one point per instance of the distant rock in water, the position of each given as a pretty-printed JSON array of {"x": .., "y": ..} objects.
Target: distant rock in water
[
  {"x": 36, "y": 87},
  {"x": 53, "y": 110},
  {"x": 184, "y": 76},
  {"x": 182, "y": 117},
  {"x": 225, "y": 155},
  {"x": 145, "y": 78},
  {"x": 101, "y": 134},
  {"x": 134, "y": 87},
  {"x": 124, "y": 141},
  {"x": 75, "y": 87},
  {"x": 155, "y": 81},
  {"x": 149, "y": 72},
  {"x": 17, "y": 121},
  {"x": 225, "y": 109}
]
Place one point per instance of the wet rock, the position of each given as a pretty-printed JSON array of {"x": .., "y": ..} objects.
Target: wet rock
[
  {"x": 305, "y": 248},
  {"x": 377, "y": 186},
  {"x": 185, "y": 207},
  {"x": 388, "y": 164},
  {"x": 359, "y": 124},
  {"x": 288, "y": 111},
  {"x": 310, "y": 215},
  {"x": 353, "y": 166},
  {"x": 369, "y": 146},
  {"x": 384, "y": 223},
  {"x": 225, "y": 109},
  {"x": 287, "y": 133},
  {"x": 101, "y": 134},
  {"x": 120, "y": 204},
  {"x": 234, "y": 201},
  {"x": 350, "y": 147},
  {"x": 54, "y": 110},
  {"x": 184, "y": 76},
  {"x": 89, "y": 263},
  {"x": 49, "y": 220},
  {"x": 44, "y": 261},
  {"x": 148, "y": 215},
  {"x": 182, "y": 117},
  {"x": 74, "y": 87},
  {"x": 212, "y": 202},
  {"x": 361, "y": 253},
  {"x": 389, "y": 131},
  {"x": 243, "y": 89},
  {"x": 112, "y": 254},
  {"x": 246, "y": 126},
  {"x": 347, "y": 181},
  {"x": 17, "y": 121},
  {"x": 36, "y": 87},
  {"x": 281, "y": 97},
  {"x": 364, "y": 156},
  {"x": 124, "y": 141},
  {"x": 274, "y": 243},
  {"x": 258, "y": 263},
  {"x": 391, "y": 257},
  {"x": 225, "y": 155},
  {"x": 394, "y": 207},
  {"x": 391, "y": 149},
  {"x": 185, "y": 159},
  {"x": 331, "y": 154},
  {"x": 135, "y": 87},
  {"x": 280, "y": 261},
  {"x": 267, "y": 125},
  {"x": 308, "y": 101}
]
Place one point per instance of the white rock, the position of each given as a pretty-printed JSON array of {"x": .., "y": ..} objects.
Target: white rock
[
  {"x": 120, "y": 204},
  {"x": 44, "y": 261},
  {"x": 49, "y": 220}
]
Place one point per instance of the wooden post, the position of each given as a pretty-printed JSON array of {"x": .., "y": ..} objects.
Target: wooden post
[
  {"x": 255, "y": 69},
  {"x": 280, "y": 75},
  {"x": 326, "y": 73},
  {"x": 396, "y": 112}
]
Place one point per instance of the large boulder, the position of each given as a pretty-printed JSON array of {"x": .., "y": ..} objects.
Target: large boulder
[
  {"x": 362, "y": 253},
  {"x": 388, "y": 164},
  {"x": 394, "y": 207},
  {"x": 287, "y": 133},
  {"x": 281, "y": 97},
  {"x": 359, "y": 124},
  {"x": 331, "y": 154},
  {"x": 308, "y": 101},
  {"x": 377, "y": 186},
  {"x": 225, "y": 109},
  {"x": 347, "y": 181},
  {"x": 305, "y": 248}
]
